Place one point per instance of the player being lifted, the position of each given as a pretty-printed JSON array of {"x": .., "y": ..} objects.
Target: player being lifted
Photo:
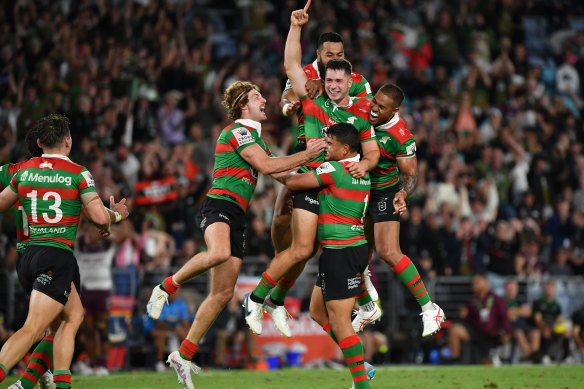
[
  {"x": 398, "y": 156},
  {"x": 330, "y": 45},
  {"x": 336, "y": 106},
  {"x": 343, "y": 203},
  {"x": 52, "y": 190},
  {"x": 239, "y": 155}
]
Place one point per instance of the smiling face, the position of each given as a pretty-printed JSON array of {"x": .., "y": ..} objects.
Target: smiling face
[
  {"x": 382, "y": 109},
  {"x": 336, "y": 150},
  {"x": 336, "y": 85},
  {"x": 330, "y": 50},
  {"x": 255, "y": 107}
]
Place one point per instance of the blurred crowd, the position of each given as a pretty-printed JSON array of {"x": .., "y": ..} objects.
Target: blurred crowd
[{"x": 493, "y": 97}]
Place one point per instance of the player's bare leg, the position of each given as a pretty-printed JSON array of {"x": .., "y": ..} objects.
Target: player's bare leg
[
  {"x": 281, "y": 229},
  {"x": 42, "y": 311},
  {"x": 388, "y": 249},
  {"x": 339, "y": 313},
  {"x": 64, "y": 343}
]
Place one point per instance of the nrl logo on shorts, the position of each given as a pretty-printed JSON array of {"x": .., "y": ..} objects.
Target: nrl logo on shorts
[{"x": 382, "y": 206}]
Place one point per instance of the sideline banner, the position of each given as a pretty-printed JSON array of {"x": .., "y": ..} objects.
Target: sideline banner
[{"x": 155, "y": 191}]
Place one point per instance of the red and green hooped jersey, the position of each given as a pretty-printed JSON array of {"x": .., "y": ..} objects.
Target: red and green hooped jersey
[
  {"x": 359, "y": 88},
  {"x": 49, "y": 188},
  {"x": 7, "y": 172},
  {"x": 233, "y": 178},
  {"x": 395, "y": 141},
  {"x": 321, "y": 113},
  {"x": 343, "y": 202}
]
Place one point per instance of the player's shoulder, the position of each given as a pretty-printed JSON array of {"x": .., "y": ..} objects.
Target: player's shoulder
[
  {"x": 361, "y": 107},
  {"x": 356, "y": 77},
  {"x": 400, "y": 132},
  {"x": 328, "y": 167},
  {"x": 310, "y": 71}
]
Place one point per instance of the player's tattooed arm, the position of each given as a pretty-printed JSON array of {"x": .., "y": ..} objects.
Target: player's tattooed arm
[
  {"x": 408, "y": 168},
  {"x": 409, "y": 184}
]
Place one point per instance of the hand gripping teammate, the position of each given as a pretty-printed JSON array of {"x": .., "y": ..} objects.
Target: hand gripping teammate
[
  {"x": 336, "y": 106},
  {"x": 239, "y": 155}
]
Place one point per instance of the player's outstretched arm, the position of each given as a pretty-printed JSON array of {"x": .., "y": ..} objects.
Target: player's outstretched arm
[
  {"x": 8, "y": 198},
  {"x": 302, "y": 181},
  {"x": 293, "y": 51},
  {"x": 259, "y": 160},
  {"x": 289, "y": 103}
]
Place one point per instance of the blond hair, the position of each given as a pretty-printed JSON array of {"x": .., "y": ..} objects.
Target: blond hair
[{"x": 235, "y": 96}]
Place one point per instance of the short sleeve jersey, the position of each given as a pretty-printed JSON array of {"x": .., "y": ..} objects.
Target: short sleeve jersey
[
  {"x": 7, "y": 172},
  {"x": 321, "y": 113},
  {"x": 395, "y": 141},
  {"x": 550, "y": 310},
  {"x": 234, "y": 179},
  {"x": 343, "y": 202},
  {"x": 49, "y": 188},
  {"x": 359, "y": 88}
]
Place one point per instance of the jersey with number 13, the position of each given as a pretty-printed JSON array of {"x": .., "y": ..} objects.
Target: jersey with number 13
[{"x": 50, "y": 189}]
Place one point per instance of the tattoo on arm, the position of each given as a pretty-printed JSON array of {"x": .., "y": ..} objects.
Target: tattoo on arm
[{"x": 409, "y": 184}]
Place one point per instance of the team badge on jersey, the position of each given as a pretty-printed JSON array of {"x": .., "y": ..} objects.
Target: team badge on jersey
[
  {"x": 243, "y": 136},
  {"x": 88, "y": 178},
  {"x": 325, "y": 168},
  {"x": 46, "y": 165}
]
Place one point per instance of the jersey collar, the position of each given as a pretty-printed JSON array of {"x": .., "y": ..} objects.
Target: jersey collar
[
  {"x": 356, "y": 158},
  {"x": 251, "y": 123},
  {"x": 390, "y": 123},
  {"x": 60, "y": 156},
  {"x": 335, "y": 106}
]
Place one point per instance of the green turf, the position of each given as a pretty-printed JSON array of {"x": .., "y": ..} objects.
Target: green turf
[{"x": 450, "y": 377}]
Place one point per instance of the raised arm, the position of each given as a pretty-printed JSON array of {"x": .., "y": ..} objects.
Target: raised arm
[
  {"x": 293, "y": 51},
  {"x": 369, "y": 160},
  {"x": 259, "y": 160}
]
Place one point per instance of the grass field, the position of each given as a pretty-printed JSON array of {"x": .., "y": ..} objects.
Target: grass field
[{"x": 450, "y": 377}]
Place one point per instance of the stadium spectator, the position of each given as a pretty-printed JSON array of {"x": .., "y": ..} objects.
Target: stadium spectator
[
  {"x": 522, "y": 331},
  {"x": 485, "y": 321}
]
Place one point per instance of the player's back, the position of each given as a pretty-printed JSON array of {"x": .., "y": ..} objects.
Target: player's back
[{"x": 49, "y": 188}]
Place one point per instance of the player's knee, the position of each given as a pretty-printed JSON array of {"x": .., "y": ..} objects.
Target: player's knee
[
  {"x": 219, "y": 255},
  {"x": 223, "y": 297},
  {"x": 280, "y": 222},
  {"x": 302, "y": 252},
  {"x": 318, "y": 316},
  {"x": 390, "y": 255}
]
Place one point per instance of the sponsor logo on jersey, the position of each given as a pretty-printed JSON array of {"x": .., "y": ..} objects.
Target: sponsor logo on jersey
[
  {"x": 243, "y": 136},
  {"x": 325, "y": 168},
  {"x": 88, "y": 178},
  {"x": 411, "y": 149},
  {"x": 41, "y": 178},
  {"x": 46, "y": 165},
  {"x": 324, "y": 131},
  {"x": 351, "y": 120},
  {"x": 47, "y": 230}
]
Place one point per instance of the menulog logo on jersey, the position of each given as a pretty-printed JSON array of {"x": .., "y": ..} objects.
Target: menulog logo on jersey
[{"x": 39, "y": 177}]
